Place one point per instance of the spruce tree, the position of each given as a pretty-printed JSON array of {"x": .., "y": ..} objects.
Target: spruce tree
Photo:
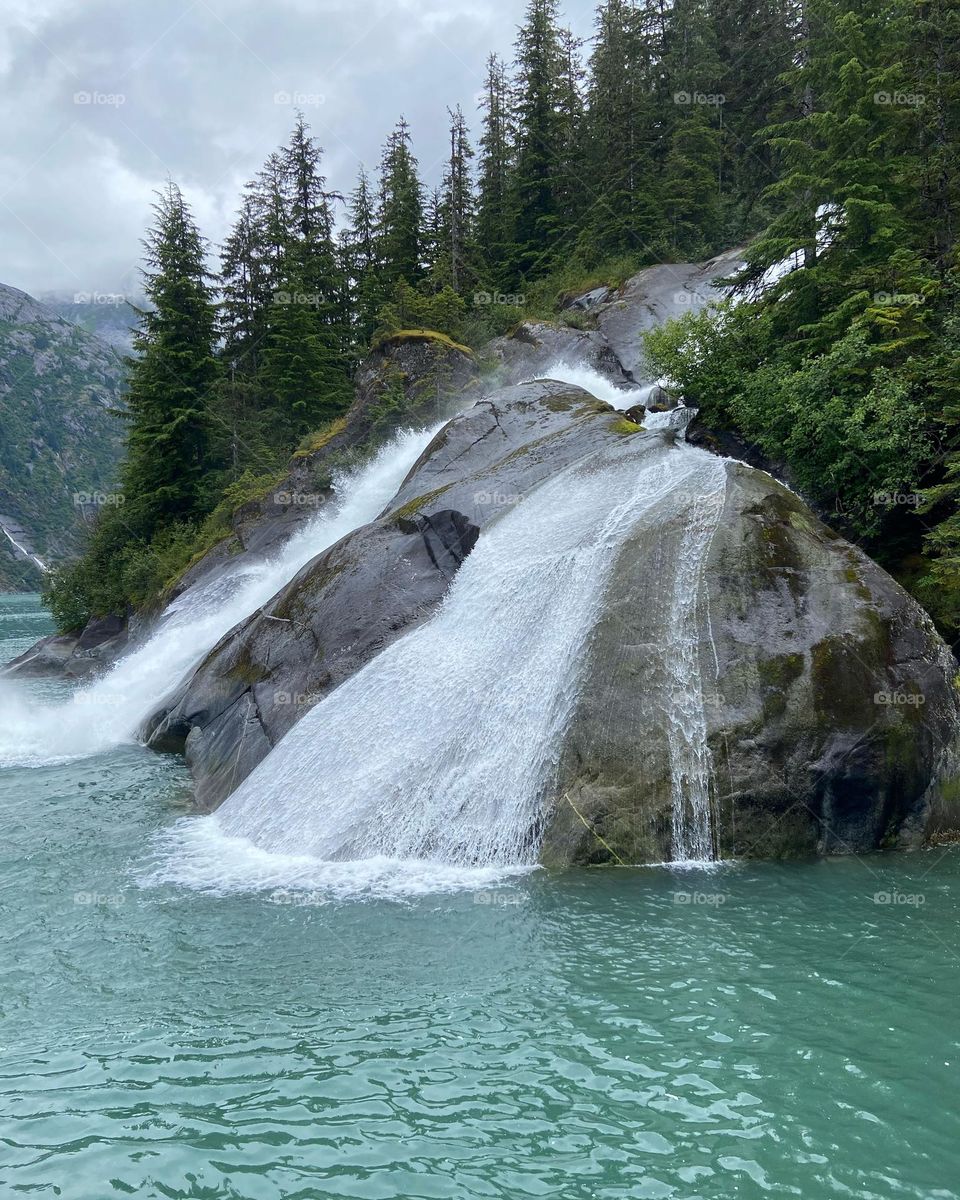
[
  {"x": 452, "y": 254},
  {"x": 360, "y": 254},
  {"x": 304, "y": 362},
  {"x": 625, "y": 214},
  {"x": 494, "y": 223},
  {"x": 400, "y": 213},
  {"x": 173, "y": 377},
  {"x": 538, "y": 218},
  {"x": 691, "y": 169}
]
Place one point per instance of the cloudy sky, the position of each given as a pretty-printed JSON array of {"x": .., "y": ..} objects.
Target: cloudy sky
[{"x": 102, "y": 99}]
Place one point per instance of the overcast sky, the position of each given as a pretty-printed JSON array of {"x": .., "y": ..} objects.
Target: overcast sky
[{"x": 101, "y": 99}]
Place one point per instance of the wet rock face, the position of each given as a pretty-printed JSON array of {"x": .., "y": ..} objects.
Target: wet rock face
[
  {"x": 829, "y": 699},
  {"x": 535, "y": 346},
  {"x": 75, "y": 657},
  {"x": 827, "y": 702},
  {"x": 377, "y": 583},
  {"x": 654, "y": 295},
  {"x": 409, "y": 380}
]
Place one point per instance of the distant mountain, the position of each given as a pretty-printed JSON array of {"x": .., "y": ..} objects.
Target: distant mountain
[
  {"x": 60, "y": 441},
  {"x": 110, "y": 315}
]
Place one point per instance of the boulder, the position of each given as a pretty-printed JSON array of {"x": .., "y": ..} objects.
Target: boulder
[
  {"x": 660, "y": 400},
  {"x": 830, "y": 703},
  {"x": 535, "y": 346},
  {"x": 827, "y": 700},
  {"x": 653, "y": 296},
  {"x": 76, "y": 656},
  {"x": 378, "y": 582}
]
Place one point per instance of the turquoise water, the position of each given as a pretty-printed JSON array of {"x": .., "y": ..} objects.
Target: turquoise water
[{"x": 748, "y": 1031}]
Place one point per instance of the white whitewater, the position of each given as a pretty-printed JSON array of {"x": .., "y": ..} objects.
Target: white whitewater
[
  {"x": 580, "y": 375},
  {"x": 111, "y": 710},
  {"x": 429, "y": 767},
  {"x": 690, "y": 764}
]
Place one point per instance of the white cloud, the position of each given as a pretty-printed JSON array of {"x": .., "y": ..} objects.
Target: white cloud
[{"x": 187, "y": 88}]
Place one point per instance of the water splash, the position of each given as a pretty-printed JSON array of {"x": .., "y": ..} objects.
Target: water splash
[
  {"x": 619, "y": 396},
  {"x": 110, "y": 710},
  {"x": 461, "y": 720}
]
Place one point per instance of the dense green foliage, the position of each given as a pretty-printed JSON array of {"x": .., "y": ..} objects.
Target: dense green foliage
[
  {"x": 822, "y": 132},
  {"x": 841, "y": 356}
]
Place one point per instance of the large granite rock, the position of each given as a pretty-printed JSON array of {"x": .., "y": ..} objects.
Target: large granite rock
[
  {"x": 830, "y": 701},
  {"x": 653, "y": 296},
  {"x": 375, "y": 584},
  {"x": 535, "y": 346}
]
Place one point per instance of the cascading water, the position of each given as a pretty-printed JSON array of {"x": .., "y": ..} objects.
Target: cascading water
[
  {"x": 434, "y": 760},
  {"x": 111, "y": 710},
  {"x": 579, "y": 375},
  {"x": 690, "y": 767}
]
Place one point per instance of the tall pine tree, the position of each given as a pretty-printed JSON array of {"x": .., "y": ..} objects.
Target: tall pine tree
[{"x": 173, "y": 377}]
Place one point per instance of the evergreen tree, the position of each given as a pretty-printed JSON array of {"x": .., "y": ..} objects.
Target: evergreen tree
[
  {"x": 571, "y": 183},
  {"x": 454, "y": 213},
  {"x": 400, "y": 213},
  {"x": 539, "y": 131},
  {"x": 625, "y": 209},
  {"x": 173, "y": 378},
  {"x": 244, "y": 299},
  {"x": 304, "y": 370},
  {"x": 359, "y": 246},
  {"x": 691, "y": 169},
  {"x": 494, "y": 223},
  {"x": 755, "y": 45}
]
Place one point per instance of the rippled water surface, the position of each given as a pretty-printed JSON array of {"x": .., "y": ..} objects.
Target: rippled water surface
[{"x": 754, "y": 1030}]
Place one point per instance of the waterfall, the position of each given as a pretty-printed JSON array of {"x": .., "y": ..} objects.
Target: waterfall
[
  {"x": 110, "y": 710},
  {"x": 435, "y": 759},
  {"x": 690, "y": 767},
  {"x": 582, "y": 376}
]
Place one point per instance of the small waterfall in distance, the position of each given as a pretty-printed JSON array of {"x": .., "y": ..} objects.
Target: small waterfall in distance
[
  {"x": 429, "y": 767},
  {"x": 110, "y": 710}
]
